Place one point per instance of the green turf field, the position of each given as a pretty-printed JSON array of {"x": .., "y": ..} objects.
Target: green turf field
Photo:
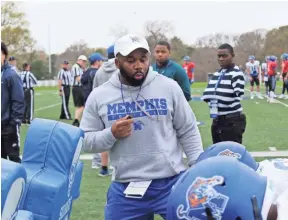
[{"x": 267, "y": 126}]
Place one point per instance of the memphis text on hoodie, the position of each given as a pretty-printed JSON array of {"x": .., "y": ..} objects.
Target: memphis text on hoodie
[{"x": 164, "y": 125}]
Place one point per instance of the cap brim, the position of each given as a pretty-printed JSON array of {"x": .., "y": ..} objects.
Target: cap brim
[{"x": 131, "y": 49}]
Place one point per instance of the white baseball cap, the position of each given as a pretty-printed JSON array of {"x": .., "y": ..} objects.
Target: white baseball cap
[
  {"x": 82, "y": 57},
  {"x": 128, "y": 43}
]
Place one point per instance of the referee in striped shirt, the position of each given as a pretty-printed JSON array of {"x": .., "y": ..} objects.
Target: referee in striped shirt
[
  {"x": 29, "y": 81},
  {"x": 223, "y": 94},
  {"x": 64, "y": 81},
  {"x": 77, "y": 90}
]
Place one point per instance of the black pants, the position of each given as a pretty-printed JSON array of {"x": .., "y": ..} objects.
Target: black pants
[
  {"x": 29, "y": 105},
  {"x": 65, "y": 113},
  {"x": 285, "y": 86},
  {"x": 10, "y": 142},
  {"x": 228, "y": 128},
  {"x": 271, "y": 83}
]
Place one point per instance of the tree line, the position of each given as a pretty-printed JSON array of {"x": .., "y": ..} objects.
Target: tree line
[{"x": 16, "y": 34}]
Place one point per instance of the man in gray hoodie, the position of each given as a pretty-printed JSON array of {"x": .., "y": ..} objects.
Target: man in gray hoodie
[
  {"x": 104, "y": 73},
  {"x": 143, "y": 119},
  {"x": 106, "y": 70}
]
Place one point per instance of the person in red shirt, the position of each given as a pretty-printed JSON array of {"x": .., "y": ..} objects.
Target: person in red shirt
[
  {"x": 189, "y": 67},
  {"x": 272, "y": 72},
  {"x": 284, "y": 72}
]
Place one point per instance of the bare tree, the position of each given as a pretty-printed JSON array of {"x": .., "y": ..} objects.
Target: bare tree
[
  {"x": 157, "y": 30},
  {"x": 214, "y": 40},
  {"x": 250, "y": 43},
  {"x": 206, "y": 61},
  {"x": 118, "y": 31},
  {"x": 72, "y": 52}
]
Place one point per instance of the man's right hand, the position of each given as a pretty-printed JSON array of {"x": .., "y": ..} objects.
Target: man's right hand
[
  {"x": 122, "y": 128},
  {"x": 60, "y": 93}
]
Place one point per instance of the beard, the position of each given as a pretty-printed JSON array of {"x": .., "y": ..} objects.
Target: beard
[{"x": 130, "y": 79}]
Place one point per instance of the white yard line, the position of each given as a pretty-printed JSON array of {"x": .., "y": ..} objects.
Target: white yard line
[
  {"x": 272, "y": 148},
  {"x": 277, "y": 101},
  {"x": 48, "y": 106},
  {"x": 254, "y": 154}
]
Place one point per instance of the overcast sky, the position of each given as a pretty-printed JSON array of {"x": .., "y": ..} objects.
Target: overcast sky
[{"x": 71, "y": 22}]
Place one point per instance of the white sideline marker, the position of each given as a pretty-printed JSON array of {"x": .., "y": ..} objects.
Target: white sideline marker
[
  {"x": 48, "y": 106},
  {"x": 277, "y": 101},
  {"x": 254, "y": 154},
  {"x": 272, "y": 148}
]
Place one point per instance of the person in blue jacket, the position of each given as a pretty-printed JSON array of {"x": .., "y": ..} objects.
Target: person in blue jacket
[
  {"x": 12, "y": 109},
  {"x": 171, "y": 69},
  {"x": 87, "y": 78}
]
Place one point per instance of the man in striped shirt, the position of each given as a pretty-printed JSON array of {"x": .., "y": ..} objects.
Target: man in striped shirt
[
  {"x": 223, "y": 94},
  {"x": 64, "y": 81},
  {"x": 29, "y": 81},
  {"x": 77, "y": 90}
]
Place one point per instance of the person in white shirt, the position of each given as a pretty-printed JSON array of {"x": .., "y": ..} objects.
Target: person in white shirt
[
  {"x": 264, "y": 68},
  {"x": 253, "y": 70}
]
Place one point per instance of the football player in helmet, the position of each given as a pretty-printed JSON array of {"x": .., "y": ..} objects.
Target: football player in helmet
[
  {"x": 284, "y": 71},
  {"x": 264, "y": 68},
  {"x": 253, "y": 70}
]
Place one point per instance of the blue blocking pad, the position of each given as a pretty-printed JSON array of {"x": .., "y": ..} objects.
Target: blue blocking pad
[
  {"x": 24, "y": 215},
  {"x": 13, "y": 180},
  {"x": 77, "y": 181},
  {"x": 51, "y": 154}
]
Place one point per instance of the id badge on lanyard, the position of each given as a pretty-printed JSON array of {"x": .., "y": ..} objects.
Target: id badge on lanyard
[
  {"x": 213, "y": 105},
  {"x": 213, "y": 108}
]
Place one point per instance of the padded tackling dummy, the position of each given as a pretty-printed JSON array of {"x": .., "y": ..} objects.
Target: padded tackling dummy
[
  {"x": 51, "y": 154},
  {"x": 24, "y": 215},
  {"x": 77, "y": 180},
  {"x": 13, "y": 180}
]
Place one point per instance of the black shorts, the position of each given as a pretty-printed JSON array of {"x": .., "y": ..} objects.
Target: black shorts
[
  {"x": 256, "y": 80},
  {"x": 78, "y": 96}
]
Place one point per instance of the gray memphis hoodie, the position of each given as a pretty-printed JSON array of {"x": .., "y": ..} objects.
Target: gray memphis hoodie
[
  {"x": 104, "y": 73},
  {"x": 164, "y": 124}
]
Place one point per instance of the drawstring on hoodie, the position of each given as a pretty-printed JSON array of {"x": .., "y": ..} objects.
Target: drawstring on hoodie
[
  {"x": 122, "y": 94},
  {"x": 138, "y": 105},
  {"x": 143, "y": 110}
]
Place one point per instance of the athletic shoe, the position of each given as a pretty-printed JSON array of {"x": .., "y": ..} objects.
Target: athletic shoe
[
  {"x": 281, "y": 96},
  {"x": 103, "y": 172},
  {"x": 95, "y": 165},
  {"x": 260, "y": 97}
]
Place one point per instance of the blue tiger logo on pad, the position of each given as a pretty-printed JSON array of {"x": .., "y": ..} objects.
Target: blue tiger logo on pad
[
  {"x": 230, "y": 153},
  {"x": 202, "y": 194}
]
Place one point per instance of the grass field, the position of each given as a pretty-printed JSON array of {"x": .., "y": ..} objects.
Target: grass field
[{"x": 267, "y": 126}]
